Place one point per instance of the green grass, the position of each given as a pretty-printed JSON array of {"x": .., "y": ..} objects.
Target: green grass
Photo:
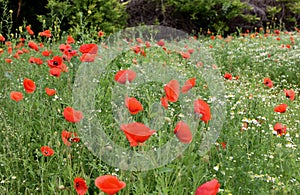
[{"x": 255, "y": 161}]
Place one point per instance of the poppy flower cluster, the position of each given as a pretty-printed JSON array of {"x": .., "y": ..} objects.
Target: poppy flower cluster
[
  {"x": 45, "y": 33},
  {"x": 279, "y": 128},
  {"x": 137, "y": 133},
  {"x": 69, "y": 137},
  {"x": 67, "y": 52},
  {"x": 57, "y": 66},
  {"x": 37, "y": 61}
]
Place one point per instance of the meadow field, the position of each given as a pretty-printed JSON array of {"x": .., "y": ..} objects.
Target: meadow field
[{"x": 49, "y": 144}]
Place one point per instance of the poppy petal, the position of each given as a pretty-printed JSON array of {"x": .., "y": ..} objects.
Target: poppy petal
[
  {"x": 125, "y": 75},
  {"x": 172, "y": 90},
  {"x": 109, "y": 184},
  {"x": 136, "y": 132},
  {"x": 133, "y": 105},
  {"x": 201, "y": 107},
  {"x": 183, "y": 132}
]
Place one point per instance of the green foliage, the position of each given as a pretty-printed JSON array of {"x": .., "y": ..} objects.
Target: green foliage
[
  {"x": 210, "y": 14},
  {"x": 254, "y": 161},
  {"x": 6, "y": 18},
  {"x": 285, "y": 11},
  {"x": 80, "y": 16}
]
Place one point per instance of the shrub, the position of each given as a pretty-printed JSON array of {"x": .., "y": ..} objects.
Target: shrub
[{"x": 80, "y": 16}]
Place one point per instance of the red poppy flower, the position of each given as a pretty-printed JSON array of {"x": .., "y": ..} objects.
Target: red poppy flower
[
  {"x": 109, "y": 184},
  {"x": 19, "y": 45},
  {"x": 29, "y": 30},
  {"x": 47, "y": 151},
  {"x": 55, "y": 62},
  {"x": 86, "y": 57},
  {"x": 50, "y": 92},
  {"x": 80, "y": 186},
  {"x": 161, "y": 42},
  {"x": 139, "y": 40},
  {"x": 136, "y": 132},
  {"x": 224, "y": 145},
  {"x": 2, "y": 39},
  {"x": 70, "y": 40},
  {"x": 16, "y": 96},
  {"x": 201, "y": 107},
  {"x": 133, "y": 105},
  {"x": 20, "y": 52},
  {"x": 172, "y": 90},
  {"x": 29, "y": 85},
  {"x": 69, "y": 137},
  {"x": 64, "y": 47},
  {"x": 290, "y": 94},
  {"x": 268, "y": 82},
  {"x": 101, "y": 33},
  {"x": 72, "y": 115},
  {"x": 164, "y": 102},
  {"x": 16, "y": 56},
  {"x": 64, "y": 68},
  {"x": 89, "y": 48},
  {"x": 208, "y": 188},
  {"x": 136, "y": 49},
  {"x": 46, "y": 33},
  {"x": 55, "y": 72},
  {"x": 33, "y": 45},
  {"x": 7, "y": 60},
  {"x": 183, "y": 132},
  {"x": 125, "y": 75},
  {"x": 38, "y": 61},
  {"x": 185, "y": 55},
  {"x": 143, "y": 53},
  {"x": 188, "y": 85},
  {"x": 191, "y": 51},
  {"x": 25, "y": 50},
  {"x": 228, "y": 76},
  {"x": 280, "y": 129},
  {"x": 9, "y": 50},
  {"x": 148, "y": 44},
  {"x": 280, "y": 108},
  {"x": 47, "y": 52}
]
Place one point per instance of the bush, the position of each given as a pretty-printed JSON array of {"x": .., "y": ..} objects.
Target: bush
[
  {"x": 82, "y": 16},
  {"x": 189, "y": 15}
]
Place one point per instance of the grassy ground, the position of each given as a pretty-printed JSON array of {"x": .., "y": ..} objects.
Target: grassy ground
[{"x": 254, "y": 161}]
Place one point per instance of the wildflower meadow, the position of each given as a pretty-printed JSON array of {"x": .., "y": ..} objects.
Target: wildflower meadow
[{"x": 147, "y": 113}]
